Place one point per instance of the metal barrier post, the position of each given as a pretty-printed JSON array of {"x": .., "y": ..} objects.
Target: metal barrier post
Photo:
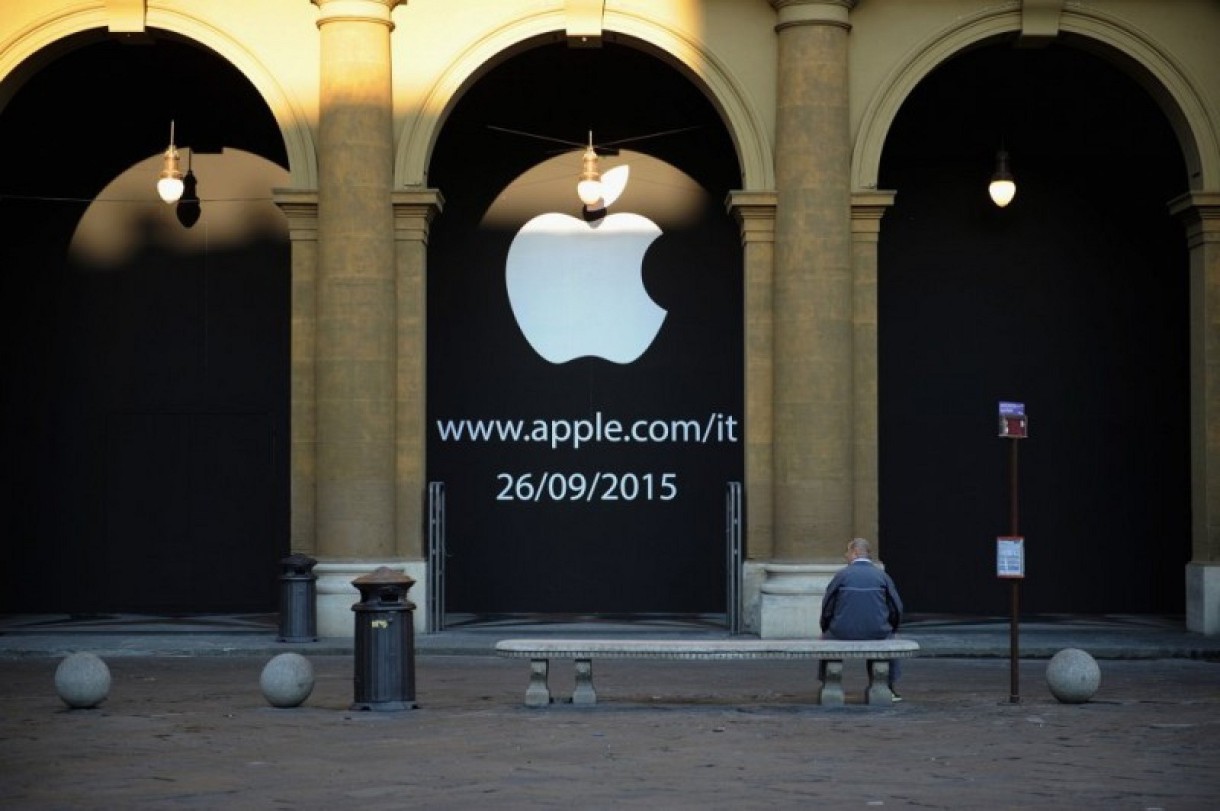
[
  {"x": 436, "y": 557},
  {"x": 734, "y": 562}
]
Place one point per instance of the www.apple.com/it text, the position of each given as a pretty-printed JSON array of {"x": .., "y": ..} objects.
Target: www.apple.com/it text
[
  {"x": 599, "y": 486},
  {"x": 572, "y": 433}
]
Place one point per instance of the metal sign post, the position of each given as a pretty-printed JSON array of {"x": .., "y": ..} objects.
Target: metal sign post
[{"x": 1010, "y": 550}]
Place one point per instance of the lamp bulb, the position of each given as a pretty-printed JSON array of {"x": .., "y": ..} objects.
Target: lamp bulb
[
  {"x": 170, "y": 189},
  {"x": 1002, "y": 187},
  {"x": 589, "y": 191},
  {"x": 1002, "y": 192}
]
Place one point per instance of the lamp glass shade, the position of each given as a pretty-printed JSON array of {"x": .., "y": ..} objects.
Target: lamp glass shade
[
  {"x": 169, "y": 188},
  {"x": 1002, "y": 187},
  {"x": 1002, "y": 190},
  {"x": 589, "y": 191}
]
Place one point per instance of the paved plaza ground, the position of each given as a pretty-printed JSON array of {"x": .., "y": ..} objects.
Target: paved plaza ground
[{"x": 196, "y": 732}]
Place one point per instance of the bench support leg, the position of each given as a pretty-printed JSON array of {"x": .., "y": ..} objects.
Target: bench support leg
[
  {"x": 538, "y": 694},
  {"x": 830, "y": 671},
  {"x": 879, "y": 683},
  {"x": 584, "y": 694}
]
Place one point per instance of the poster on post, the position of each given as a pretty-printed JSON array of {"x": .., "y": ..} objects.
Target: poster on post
[
  {"x": 1014, "y": 423},
  {"x": 1010, "y": 557}
]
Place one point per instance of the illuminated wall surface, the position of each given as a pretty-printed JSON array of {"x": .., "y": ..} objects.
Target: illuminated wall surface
[{"x": 585, "y": 383}]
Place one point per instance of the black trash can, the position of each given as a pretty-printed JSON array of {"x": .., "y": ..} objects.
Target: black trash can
[
  {"x": 298, "y": 599},
  {"x": 385, "y": 642}
]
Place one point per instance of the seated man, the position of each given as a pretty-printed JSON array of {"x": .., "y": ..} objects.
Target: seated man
[{"x": 862, "y": 602}]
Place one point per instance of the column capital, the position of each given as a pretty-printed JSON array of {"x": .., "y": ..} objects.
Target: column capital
[
  {"x": 867, "y": 209},
  {"x": 300, "y": 206},
  {"x": 1200, "y": 211},
  {"x": 813, "y": 12},
  {"x": 368, "y": 11},
  {"x": 414, "y": 210},
  {"x": 755, "y": 214}
]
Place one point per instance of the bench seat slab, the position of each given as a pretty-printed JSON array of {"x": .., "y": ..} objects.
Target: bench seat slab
[{"x": 708, "y": 648}]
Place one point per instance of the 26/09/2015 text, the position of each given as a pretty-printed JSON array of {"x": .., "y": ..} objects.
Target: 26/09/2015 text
[{"x": 587, "y": 487}]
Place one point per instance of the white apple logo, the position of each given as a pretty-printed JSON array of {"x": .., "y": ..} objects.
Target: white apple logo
[{"x": 576, "y": 288}]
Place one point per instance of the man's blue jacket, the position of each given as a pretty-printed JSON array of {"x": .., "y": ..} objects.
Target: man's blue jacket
[{"x": 861, "y": 602}]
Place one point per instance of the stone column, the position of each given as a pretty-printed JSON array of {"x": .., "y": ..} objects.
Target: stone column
[
  {"x": 755, "y": 214},
  {"x": 301, "y": 209},
  {"x": 414, "y": 211},
  {"x": 867, "y": 209},
  {"x": 356, "y": 351},
  {"x": 813, "y": 389},
  {"x": 1200, "y": 211}
]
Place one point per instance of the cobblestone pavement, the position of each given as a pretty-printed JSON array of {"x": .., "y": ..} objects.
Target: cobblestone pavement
[{"x": 196, "y": 732}]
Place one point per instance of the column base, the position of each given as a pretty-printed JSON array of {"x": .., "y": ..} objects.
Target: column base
[
  {"x": 1203, "y": 598},
  {"x": 790, "y": 603},
  {"x": 754, "y": 574},
  {"x": 336, "y": 595}
]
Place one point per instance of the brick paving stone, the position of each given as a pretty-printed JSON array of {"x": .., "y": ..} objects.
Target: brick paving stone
[{"x": 196, "y": 732}]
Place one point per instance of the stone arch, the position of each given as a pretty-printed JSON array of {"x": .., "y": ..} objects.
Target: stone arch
[
  {"x": 26, "y": 51},
  {"x": 744, "y": 124},
  {"x": 1147, "y": 62}
]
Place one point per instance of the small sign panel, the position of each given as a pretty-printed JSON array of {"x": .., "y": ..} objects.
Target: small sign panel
[
  {"x": 1010, "y": 557},
  {"x": 1014, "y": 424}
]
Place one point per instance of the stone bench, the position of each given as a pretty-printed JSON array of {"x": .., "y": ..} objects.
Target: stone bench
[{"x": 830, "y": 652}]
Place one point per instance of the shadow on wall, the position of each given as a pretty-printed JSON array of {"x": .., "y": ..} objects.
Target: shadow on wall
[{"x": 150, "y": 449}]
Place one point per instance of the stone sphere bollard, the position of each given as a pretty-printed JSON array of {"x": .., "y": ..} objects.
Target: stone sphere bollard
[
  {"x": 1073, "y": 676},
  {"x": 287, "y": 680},
  {"x": 82, "y": 680}
]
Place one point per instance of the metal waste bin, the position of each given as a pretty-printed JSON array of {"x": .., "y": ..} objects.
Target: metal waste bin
[
  {"x": 298, "y": 599},
  {"x": 385, "y": 642}
]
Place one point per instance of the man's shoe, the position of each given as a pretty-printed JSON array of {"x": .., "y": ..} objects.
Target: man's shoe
[{"x": 897, "y": 697}]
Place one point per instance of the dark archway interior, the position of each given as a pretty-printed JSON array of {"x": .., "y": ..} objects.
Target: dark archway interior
[
  {"x": 1072, "y": 300},
  {"x": 144, "y": 413}
]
